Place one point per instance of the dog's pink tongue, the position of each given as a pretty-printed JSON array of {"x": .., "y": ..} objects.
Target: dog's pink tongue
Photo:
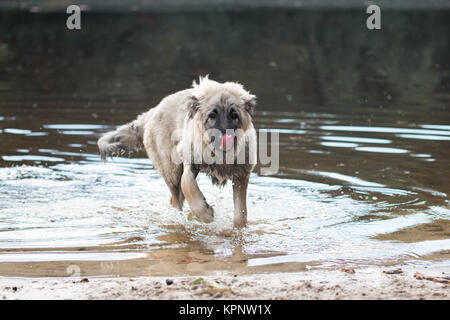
[{"x": 227, "y": 142}]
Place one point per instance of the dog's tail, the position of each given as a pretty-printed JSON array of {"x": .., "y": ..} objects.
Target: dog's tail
[{"x": 125, "y": 139}]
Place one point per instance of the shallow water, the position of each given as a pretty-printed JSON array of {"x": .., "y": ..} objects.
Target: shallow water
[{"x": 358, "y": 183}]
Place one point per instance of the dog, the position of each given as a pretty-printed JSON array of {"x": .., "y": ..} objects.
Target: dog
[{"x": 207, "y": 128}]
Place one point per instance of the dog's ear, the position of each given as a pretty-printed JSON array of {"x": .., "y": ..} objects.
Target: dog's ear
[
  {"x": 250, "y": 104},
  {"x": 193, "y": 105}
]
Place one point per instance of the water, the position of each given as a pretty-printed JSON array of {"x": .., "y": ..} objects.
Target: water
[{"x": 363, "y": 178}]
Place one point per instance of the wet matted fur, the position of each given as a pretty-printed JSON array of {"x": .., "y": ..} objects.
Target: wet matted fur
[{"x": 189, "y": 132}]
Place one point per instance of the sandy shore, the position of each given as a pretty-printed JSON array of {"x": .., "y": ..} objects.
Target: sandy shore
[{"x": 362, "y": 283}]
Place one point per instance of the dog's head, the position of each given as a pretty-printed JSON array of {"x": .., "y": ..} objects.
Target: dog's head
[{"x": 225, "y": 111}]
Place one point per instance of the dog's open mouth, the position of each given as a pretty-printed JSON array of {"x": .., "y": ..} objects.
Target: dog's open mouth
[{"x": 227, "y": 142}]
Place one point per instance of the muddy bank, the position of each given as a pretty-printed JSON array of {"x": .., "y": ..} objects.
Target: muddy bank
[
  {"x": 399, "y": 282},
  {"x": 194, "y": 5}
]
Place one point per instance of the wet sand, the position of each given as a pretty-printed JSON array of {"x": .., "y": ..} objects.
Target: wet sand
[{"x": 362, "y": 283}]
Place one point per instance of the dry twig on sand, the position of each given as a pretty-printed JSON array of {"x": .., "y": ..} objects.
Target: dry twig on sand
[{"x": 420, "y": 276}]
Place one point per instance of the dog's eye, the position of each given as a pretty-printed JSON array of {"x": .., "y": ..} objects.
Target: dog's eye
[
  {"x": 213, "y": 114},
  {"x": 233, "y": 115}
]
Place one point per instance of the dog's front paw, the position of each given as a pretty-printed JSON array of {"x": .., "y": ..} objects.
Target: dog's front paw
[{"x": 207, "y": 215}]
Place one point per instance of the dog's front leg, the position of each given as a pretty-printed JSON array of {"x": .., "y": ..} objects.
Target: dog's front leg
[
  {"x": 240, "y": 185},
  {"x": 194, "y": 196}
]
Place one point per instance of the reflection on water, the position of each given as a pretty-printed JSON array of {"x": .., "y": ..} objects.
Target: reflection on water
[
  {"x": 360, "y": 181},
  {"x": 340, "y": 205}
]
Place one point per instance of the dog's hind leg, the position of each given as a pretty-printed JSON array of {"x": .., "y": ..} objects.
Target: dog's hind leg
[
  {"x": 177, "y": 197},
  {"x": 177, "y": 190},
  {"x": 171, "y": 173},
  {"x": 194, "y": 196},
  {"x": 172, "y": 176},
  {"x": 176, "y": 194}
]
